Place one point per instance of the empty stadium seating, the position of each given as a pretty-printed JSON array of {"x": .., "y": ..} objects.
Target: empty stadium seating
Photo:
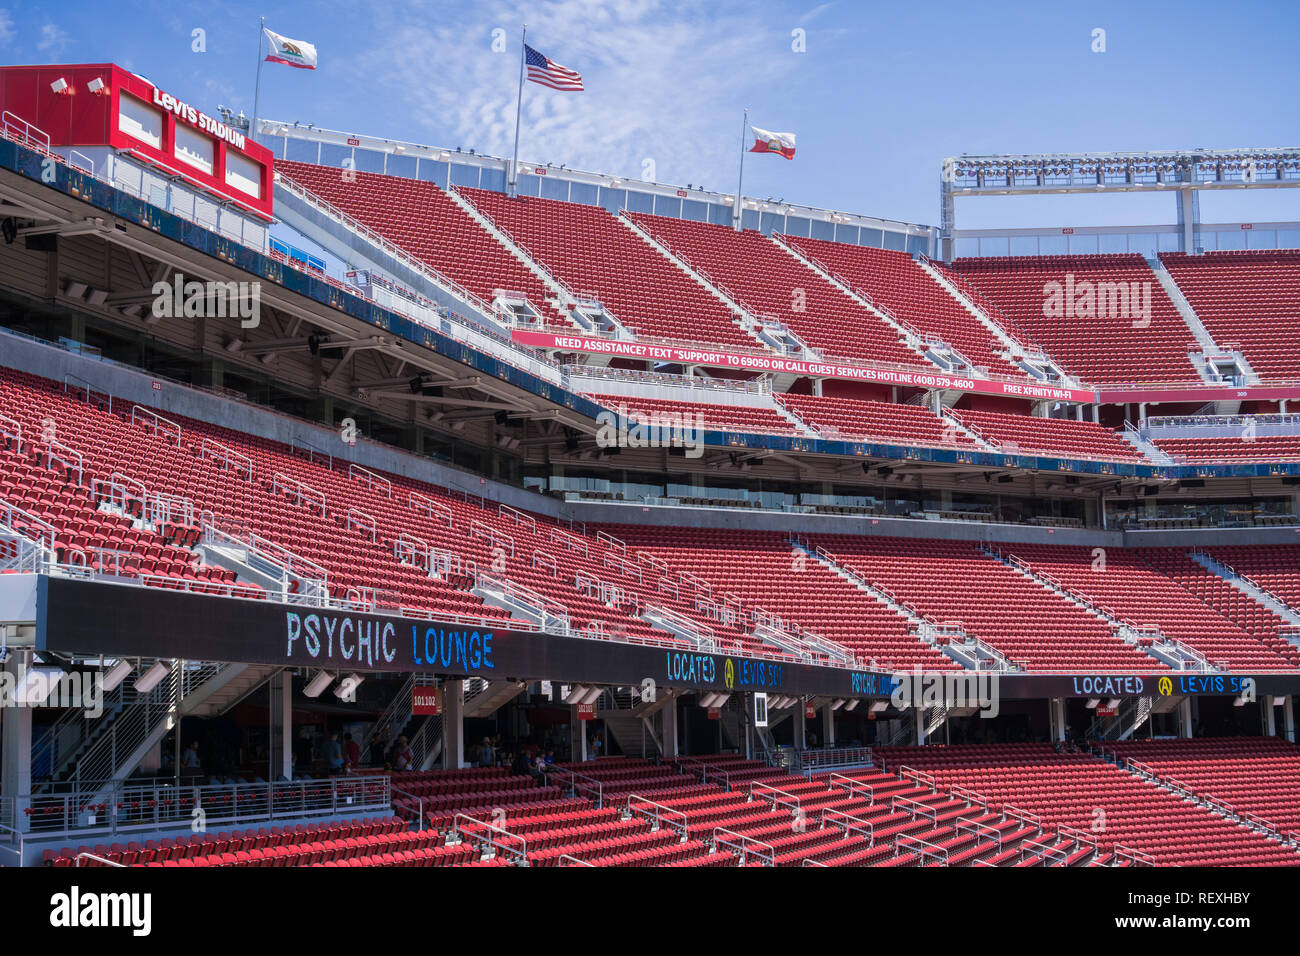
[
  {"x": 894, "y": 280},
  {"x": 1098, "y": 343},
  {"x": 1247, "y": 300},
  {"x": 1082, "y": 792},
  {"x": 1139, "y": 593},
  {"x": 712, "y": 416},
  {"x": 882, "y": 421},
  {"x": 1254, "y": 775},
  {"x": 954, "y": 581},
  {"x": 1209, "y": 451},
  {"x": 763, "y": 571},
  {"x": 592, "y": 253},
  {"x": 423, "y": 221},
  {"x": 766, "y": 280},
  {"x": 1051, "y": 435}
]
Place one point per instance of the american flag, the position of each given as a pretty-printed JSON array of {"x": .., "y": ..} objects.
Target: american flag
[{"x": 549, "y": 73}]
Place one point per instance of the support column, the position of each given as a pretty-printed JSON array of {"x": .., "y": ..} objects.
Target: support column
[
  {"x": 828, "y": 726},
  {"x": 1288, "y": 718},
  {"x": 800, "y": 727},
  {"x": 1056, "y": 718},
  {"x": 1270, "y": 716},
  {"x": 669, "y": 731},
  {"x": 453, "y": 725},
  {"x": 16, "y": 743},
  {"x": 577, "y": 735},
  {"x": 1185, "y": 718},
  {"x": 1189, "y": 219},
  {"x": 918, "y": 715},
  {"x": 280, "y": 692}
]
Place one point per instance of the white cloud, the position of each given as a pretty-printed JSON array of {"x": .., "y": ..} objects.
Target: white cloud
[
  {"x": 814, "y": 12},
  {"x": 660, "y": 84},
  {"x": 7, "y": 31},
  {"x": 53, "y": 39}
]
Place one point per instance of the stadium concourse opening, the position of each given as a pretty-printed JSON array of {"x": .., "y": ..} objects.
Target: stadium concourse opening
[{"x": 314, "y": 566}]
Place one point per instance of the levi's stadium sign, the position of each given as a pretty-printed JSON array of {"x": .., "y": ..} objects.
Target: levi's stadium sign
[
  {"x": 744, "y": 361},
  {"x": 198, "y": 118}
]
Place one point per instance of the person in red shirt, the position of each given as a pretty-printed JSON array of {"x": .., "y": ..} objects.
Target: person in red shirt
[{"x": 351, "y": 753}]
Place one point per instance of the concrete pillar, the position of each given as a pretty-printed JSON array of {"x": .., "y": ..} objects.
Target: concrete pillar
[
  {"x": 800, "y": 727},
  {"x": 1270, "y": 716},
  {"x": 280, "y": 692},
  {"x": 669, "y": 732},
  {"x": 577, "y": 735},
  {"x": 1096, "y": 414},
  {"x": 1185, "y": 718},
  {"x": 918, "y": 715},
  {"x": 16, "y": 745},
  {"x": 453, "y": 725},
  {"x": 1288, "y": 718},
  {"x": 1056, "y": 718},
  {"x": 828, "y": 726}
]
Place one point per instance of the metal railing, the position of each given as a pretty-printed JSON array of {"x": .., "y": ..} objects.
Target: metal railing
[
  {"x": 659, "y": 815},
  {"x": 492, "y": 840},
  {"x": 126, "y": 806},
  {"x": 745, "y": 846}
]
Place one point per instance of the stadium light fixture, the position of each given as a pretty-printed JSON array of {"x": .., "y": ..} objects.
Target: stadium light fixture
[
  {"x": 116, "y": 674},
  {"x": 576, "y": 694},
  {"x": 60, "y": 87},
  {"x": 316, "y": 686},
  {"x": 1093, "y": 702},
  {"x": 721, "y": 699},
  {"x": 708, "y": 699},
  {"x": 152, "y": 677},
  {"x": 838, "y": 704},
  {"x": 879, "y": 706},
  {"x": 592, "y": 694},
  {"x": 852, "y": 705},
  {"x": 97, "y": 86}
]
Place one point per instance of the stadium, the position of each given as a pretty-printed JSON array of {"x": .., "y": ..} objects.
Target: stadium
[{"x": 366, "y": 503}]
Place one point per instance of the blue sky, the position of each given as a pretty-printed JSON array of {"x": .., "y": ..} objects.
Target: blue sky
[{"x": 879, "y": 95}]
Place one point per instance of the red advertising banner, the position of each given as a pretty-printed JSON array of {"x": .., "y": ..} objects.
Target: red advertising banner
[
  {"x": 719, "y": 358},
  {"x": 586, "y": 711},
  {"x": 715, "y": 713}
]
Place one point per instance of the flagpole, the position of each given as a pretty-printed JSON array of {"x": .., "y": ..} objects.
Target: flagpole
[
  {"x": 257, "y": 90},
  {"x": 512, "y": 180},
  {"x": 738, "y": 214}
]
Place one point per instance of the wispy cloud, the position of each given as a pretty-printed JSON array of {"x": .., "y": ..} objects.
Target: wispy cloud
[
  {"x": 53, "y": 39},
  {"x": 815, "y": 12},
  {"x": 662, "y": 85},
  {"x": 7, "y": 31}
]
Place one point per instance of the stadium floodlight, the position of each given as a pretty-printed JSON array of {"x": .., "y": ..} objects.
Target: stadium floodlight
[
  {"x": 316, "y": 686},
  {"x": 347, "y": 688},
  {"x": 592, "y": 694},
  {"x": 97, "y": 86},
  {"x": 576, "y": 694},
  {"x": 152, "y": 677},
  {"x": 116, "y": 674},
  {"x": 60, "y": 87}
]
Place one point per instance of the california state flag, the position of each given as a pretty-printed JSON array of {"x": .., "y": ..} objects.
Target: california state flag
[
  {"x": 765, "y": 141},
  {"x": 297, "y": 53}
]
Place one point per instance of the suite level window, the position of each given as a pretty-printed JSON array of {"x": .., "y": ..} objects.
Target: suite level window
[
  {"x": 194, "y": 149},
  {"x": 243, "y": 174},
  {"x": 138, "y": 119}
]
